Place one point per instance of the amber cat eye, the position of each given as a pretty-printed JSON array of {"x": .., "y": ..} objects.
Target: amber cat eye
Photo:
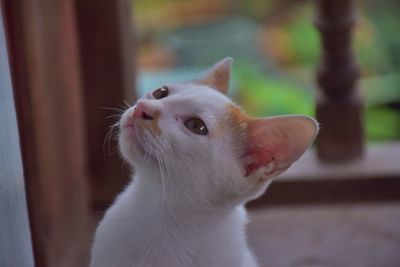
[
  {"x": 196, "y": 126},
  {"x": 160, "y": 92}
]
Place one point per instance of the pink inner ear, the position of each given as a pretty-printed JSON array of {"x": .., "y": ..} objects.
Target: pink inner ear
[
  {"x": 259, "y": 158},
  {"x": 263, "y": 150},
  {"x": 280, "y": 140}
]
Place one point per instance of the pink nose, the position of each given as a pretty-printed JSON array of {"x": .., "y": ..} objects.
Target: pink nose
[{"x": 142, "y": 112}]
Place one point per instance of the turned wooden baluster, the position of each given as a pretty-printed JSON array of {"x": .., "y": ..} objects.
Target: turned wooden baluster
[{"x": 339, "y": 104}]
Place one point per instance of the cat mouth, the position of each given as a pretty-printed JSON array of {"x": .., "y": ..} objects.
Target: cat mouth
[
  {"x": 138, "y": 136},
  {"x": 128, "y": 124},
  {"x": 130, "y": 135},
  {"x": 129, "y": 129}
]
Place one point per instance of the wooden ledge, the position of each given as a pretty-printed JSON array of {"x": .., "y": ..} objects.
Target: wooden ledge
[
  {"x": 375, "y": 178},
  {"x": 380, "y": 160}
]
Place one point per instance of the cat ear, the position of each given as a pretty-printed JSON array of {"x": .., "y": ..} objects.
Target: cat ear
[
  {"x": 274, "y": 143},
  {"x": 218, "y": 76}
]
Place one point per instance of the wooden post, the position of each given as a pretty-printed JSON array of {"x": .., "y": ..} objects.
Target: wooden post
[
  {"x": 107, "y": 58},
  {"x": 339, "y": 104},
  {"x": 46, "y": 77}
]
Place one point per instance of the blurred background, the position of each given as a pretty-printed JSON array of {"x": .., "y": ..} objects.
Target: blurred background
[
  {"x": 276, "y": 48},
  {"x": 70, "y": 67}
]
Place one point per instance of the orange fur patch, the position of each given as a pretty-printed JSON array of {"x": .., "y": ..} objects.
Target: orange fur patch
[
  {"x": 237, "y": 120},
  {"x": 152, "y": 125},
  {"x": 237, "y": 123},
  {"x": 252, "y": 150}
]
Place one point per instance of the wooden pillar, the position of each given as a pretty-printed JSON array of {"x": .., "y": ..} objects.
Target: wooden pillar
[
  {"x": 107, "y": 58},
  {"x": 339, "y": 104},
  {"x": 45, "y": 69}
]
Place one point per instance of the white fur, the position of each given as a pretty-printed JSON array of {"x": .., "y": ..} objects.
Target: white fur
[{"x": 184, "y": 206}]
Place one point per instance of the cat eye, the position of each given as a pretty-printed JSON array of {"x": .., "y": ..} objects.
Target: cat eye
[
  {"x": 197, "y": 126},
  {"x": 160, "y": 92}
]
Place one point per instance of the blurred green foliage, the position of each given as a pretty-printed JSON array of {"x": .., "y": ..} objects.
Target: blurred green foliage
[
  {"x": 262, "y": 95},
  {"x": 377, "y": 49},
  {"x": 303, "y": 38}
]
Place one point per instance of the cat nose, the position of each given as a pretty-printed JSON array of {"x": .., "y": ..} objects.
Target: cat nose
[{"x": 143, "y": 112}]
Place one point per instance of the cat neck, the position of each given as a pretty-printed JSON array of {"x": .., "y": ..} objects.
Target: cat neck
[
  {"x": 162, "y": 197},
  {"x": 153, "y": 232},
  {"x": 175, "y": 231}
]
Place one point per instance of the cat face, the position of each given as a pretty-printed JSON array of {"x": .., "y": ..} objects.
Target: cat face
[
  {"x": 202, "y": 143},
  {"x": 185, "y": 123}
]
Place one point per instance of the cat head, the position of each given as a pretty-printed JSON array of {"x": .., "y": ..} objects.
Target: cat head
[{"x": 202, "y": 143}]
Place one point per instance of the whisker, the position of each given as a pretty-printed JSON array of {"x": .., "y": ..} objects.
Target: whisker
[
  {"x": 111, "y": 132},
  {"x": 161, "y": 175},
  {"x": 156, "y": 151},
  {"x": 126, "y": 104},
  {"x": 114, "y": 116},
  {"x": 164, "y": 178},
  {"x": 113, "y": 109}
]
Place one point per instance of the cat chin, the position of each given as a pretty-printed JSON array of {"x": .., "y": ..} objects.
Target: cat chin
[
  {"x": 134, "y": 154},
  {"x": 130, "y": 147}
]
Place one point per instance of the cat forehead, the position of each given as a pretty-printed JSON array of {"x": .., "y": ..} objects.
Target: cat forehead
[
  {"x": 198, "y": 97},
  {"x": 198, "y": 90}
]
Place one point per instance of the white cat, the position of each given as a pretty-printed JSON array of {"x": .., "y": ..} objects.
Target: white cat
[{"x": 198, "y": 159}]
